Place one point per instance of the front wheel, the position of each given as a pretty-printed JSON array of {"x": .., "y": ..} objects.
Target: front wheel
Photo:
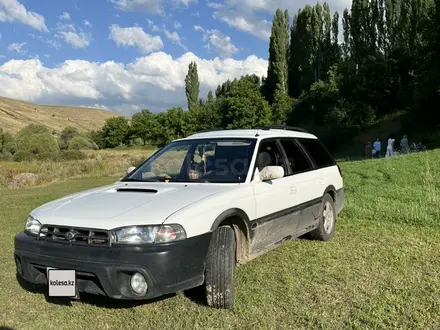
[
  {"x": 327, "y": 220},
  {"x": 220, "y": 269}
]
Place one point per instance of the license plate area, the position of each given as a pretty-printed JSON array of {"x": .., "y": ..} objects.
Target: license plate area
[{"x": 62, "y": 282}]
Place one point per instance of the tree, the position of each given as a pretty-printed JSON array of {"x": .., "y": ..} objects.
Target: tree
[
  {"x": 144, "y": 125},
  {"x": 67, "y": 134},
  {"x": 244, "y": 107},
  {"x": 97, "y": 137},
  {"x": 192, "y": 86},
  {"x": 281, "y": 107},
  {"x": 210, "y": 97},
  {"x": 7, "y": 143},
  {"x": 115, "y": 131},
  {"x": 277, "y": 71}
]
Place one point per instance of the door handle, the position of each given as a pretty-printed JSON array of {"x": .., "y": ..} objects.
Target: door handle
[
  {"x": 321, "y": 181},
  {"x": 293, "y": 190}
]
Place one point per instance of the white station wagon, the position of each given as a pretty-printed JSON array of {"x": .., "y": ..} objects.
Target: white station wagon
[{"x": 185, "y": 217}]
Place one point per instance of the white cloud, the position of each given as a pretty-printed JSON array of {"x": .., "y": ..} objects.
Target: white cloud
[
  {"x": 153, "y": 26},
  {"x": 245, "y": 20},
  {"x": 222, "y": 44},
  {"x": 255, "y": 16},
  {"x": 155, "y": 81},
  {"x": 177, "y": 25},
  {"x": 14, "y": 11},
  {"x": 17, "y": 47},
  {"x": 92, "y": 106},
  {"x": 175, "y": 38},
  {"x": 151, "y": 6},
  {"x": 53, "y": 43},
  {"x": 87, "y": 24},
  {"x": 65, "y": 16},
  {"x": 135, "y": 37},
  {"x": 77, "y": 38}
]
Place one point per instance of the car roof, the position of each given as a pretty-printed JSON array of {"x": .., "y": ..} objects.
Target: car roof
[{"x": 250, "y": 133}]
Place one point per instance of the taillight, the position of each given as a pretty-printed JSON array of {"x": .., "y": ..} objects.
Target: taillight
[{"x": 340, "y": 171}]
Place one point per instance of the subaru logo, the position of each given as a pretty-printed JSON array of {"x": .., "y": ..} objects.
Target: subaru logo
[{"x": 70, "y": 235}]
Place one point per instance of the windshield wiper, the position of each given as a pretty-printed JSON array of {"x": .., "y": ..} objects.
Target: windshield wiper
[
  {"x": 131, "y": 180},
  {"x": 152, "y": 179}
]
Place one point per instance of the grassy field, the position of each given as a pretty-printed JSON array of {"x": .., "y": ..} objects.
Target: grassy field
[
  {"x": 381, "y": 270},
  {"x": 14, "y": 115}
]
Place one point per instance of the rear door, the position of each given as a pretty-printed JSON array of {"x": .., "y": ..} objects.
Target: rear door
[
  {"x": 325, "y": 165},
  {"x": 302, "y": 179},
  {"x": 326, "y": 172}
]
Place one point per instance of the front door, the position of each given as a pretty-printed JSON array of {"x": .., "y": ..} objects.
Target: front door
[{"x": 275, "y": 219}]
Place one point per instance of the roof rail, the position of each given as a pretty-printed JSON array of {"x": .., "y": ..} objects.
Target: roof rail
[
  {"x": 209, "y": 130},
  {"x": 288, "y": 128}
]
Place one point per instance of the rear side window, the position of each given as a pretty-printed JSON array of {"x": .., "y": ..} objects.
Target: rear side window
[
  {"x": 297, "y": 161},
  {"x": 318, "y": 152}
]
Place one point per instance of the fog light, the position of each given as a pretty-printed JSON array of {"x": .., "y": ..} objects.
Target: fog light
[{"x": 138, "y": 283}]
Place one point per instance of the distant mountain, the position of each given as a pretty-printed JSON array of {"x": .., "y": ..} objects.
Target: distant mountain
[{"x": 14, "y": 115}]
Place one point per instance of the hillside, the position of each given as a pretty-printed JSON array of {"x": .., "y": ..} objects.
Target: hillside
[{"x": 14, "y": 115}]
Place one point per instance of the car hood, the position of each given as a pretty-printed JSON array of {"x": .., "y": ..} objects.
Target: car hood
[{"x": 124, "y": 204}]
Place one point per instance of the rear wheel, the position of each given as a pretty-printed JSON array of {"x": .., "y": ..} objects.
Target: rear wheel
[
  {"x": 327, "y": 220},
  {"x": 220, "y": 269}
]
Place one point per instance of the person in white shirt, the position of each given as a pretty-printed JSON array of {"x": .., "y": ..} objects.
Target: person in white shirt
[
  {"x": 390, "y": 146},
  {"x": 377, "y": 147}
]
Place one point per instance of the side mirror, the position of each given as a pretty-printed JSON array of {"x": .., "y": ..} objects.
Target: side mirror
[
  {"x": 271, "y": 173},
  {"x": 130, "y": 169}
]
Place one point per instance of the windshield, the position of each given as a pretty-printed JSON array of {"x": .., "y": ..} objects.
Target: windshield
[{"x": 201, "y": 160}]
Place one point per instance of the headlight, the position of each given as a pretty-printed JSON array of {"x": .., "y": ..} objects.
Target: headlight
[
  {"x": 148, "y": 234},
  {"x": 32, "y": 226}
]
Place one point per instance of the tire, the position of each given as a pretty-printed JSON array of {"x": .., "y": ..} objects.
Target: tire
[
  {"x": 220, "y": 269},
  {"x": 327, "y": 212}
]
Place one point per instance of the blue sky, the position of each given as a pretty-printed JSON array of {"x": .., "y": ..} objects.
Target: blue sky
[{"x": 125, "y": 55}]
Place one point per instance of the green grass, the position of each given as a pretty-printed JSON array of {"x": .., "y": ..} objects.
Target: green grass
[{"x": 380, "y": 271}]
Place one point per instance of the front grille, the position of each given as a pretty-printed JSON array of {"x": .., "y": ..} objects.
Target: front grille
[{"x": 73, "y": 235}]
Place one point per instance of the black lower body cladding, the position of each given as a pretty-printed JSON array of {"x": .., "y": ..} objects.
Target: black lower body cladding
[
  {"x": 339, "y": 200},
  {"x": 167, "y": 268}
]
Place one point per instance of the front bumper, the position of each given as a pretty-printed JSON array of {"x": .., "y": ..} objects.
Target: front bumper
[{"x": 167, "y": 268}]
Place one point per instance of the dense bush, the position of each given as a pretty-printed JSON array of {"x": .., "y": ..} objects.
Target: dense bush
[
  {"x": 37, "y": 143},
  {"x": 81, "y": 143},
  {"x": 66, "y": 136},
  {"x": 7, "y": 145}
]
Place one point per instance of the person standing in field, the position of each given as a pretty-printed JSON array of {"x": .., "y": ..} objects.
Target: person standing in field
[
  {"x": 377, "y": 147},
  {"x": 404, "y": 145},
  {"x": 368, "y": 150},
  {"x": 390, "y": 146}
]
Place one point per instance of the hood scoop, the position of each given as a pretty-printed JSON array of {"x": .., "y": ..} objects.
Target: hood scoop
[{"x": 135, "y": 190}]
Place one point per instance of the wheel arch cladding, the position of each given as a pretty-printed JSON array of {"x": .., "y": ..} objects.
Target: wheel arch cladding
[
  {"x": 239, "y": 221},
  {"x": 331, "y": 190}
]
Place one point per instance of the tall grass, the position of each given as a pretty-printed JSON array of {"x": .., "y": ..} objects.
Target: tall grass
[{"x": 96, "y": 164}]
